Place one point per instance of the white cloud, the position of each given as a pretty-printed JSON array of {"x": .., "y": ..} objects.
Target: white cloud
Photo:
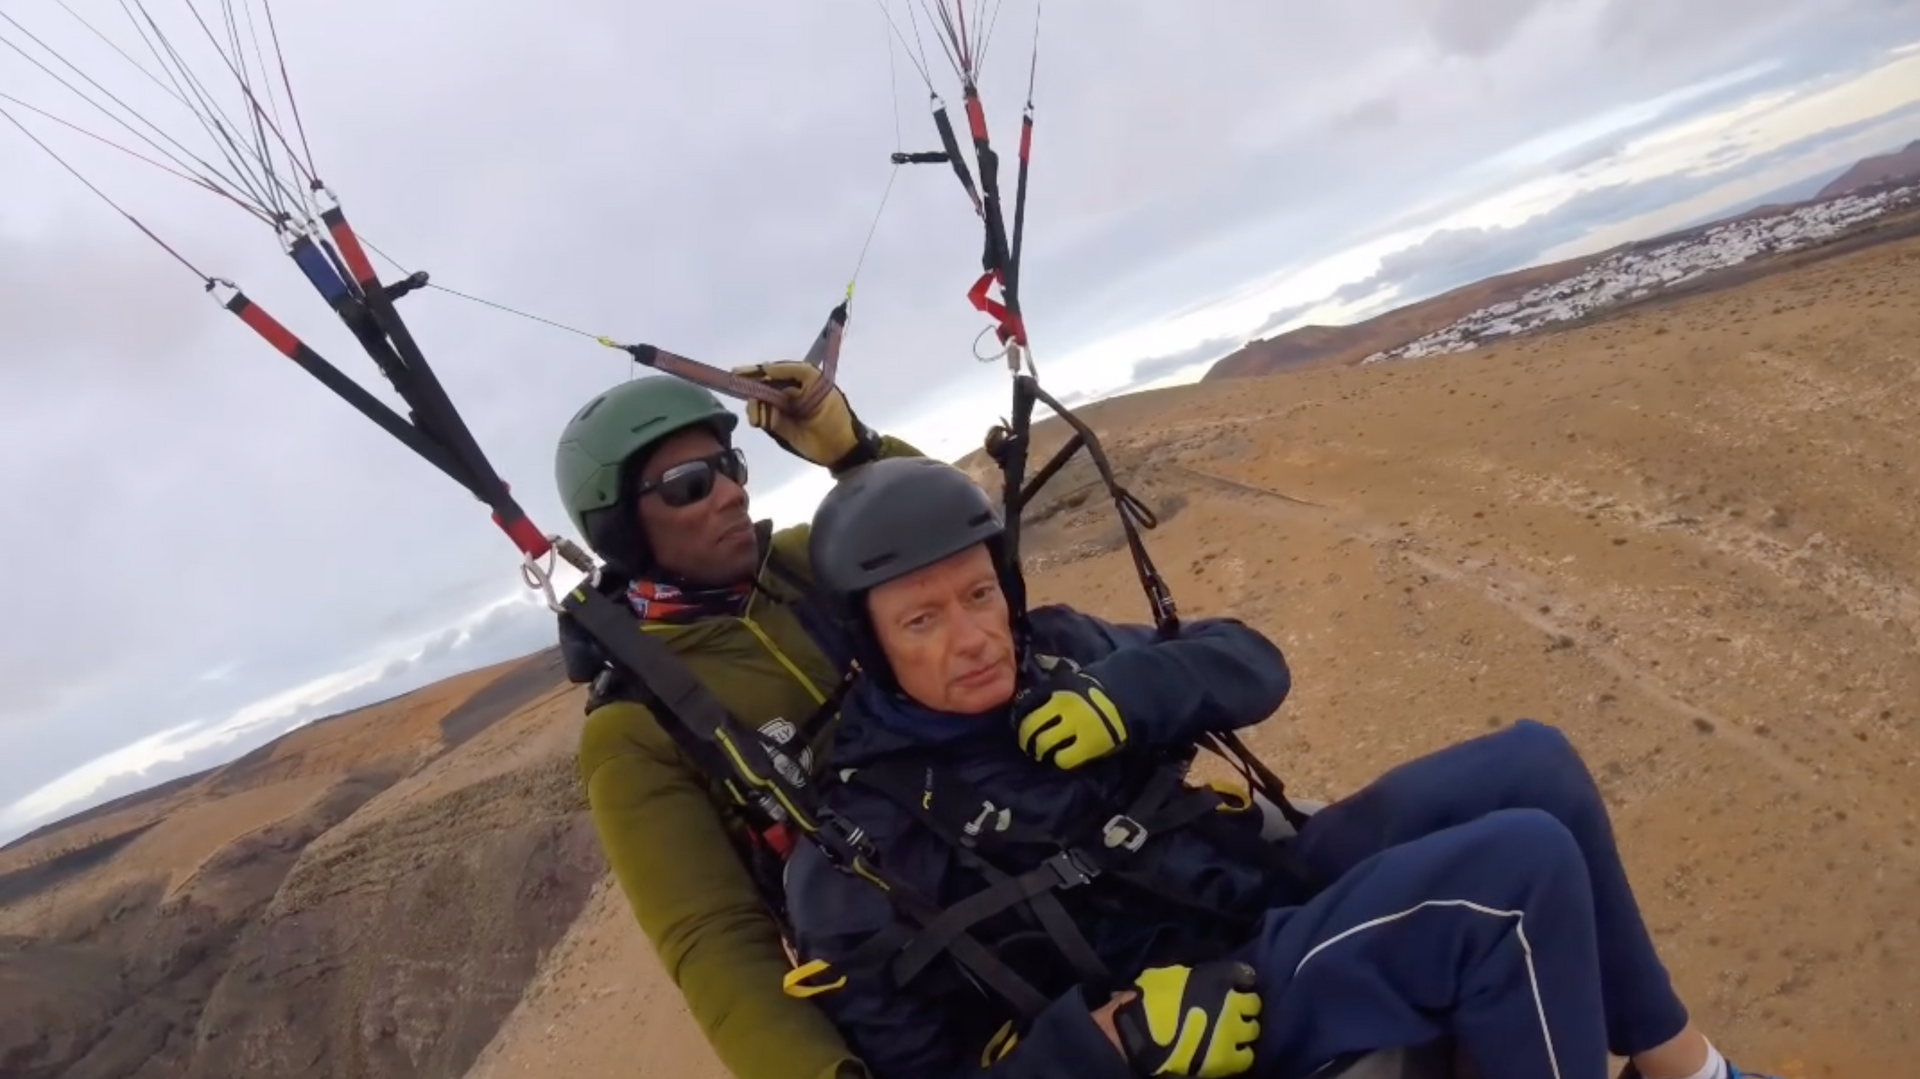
[{"x": 251, "y": 725}]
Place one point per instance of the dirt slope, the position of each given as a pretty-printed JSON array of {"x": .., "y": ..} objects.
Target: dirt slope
[{"x": 1682, "y": 533}]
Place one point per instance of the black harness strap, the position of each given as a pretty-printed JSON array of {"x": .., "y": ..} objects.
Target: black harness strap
[
  {"x": 721, "y": 745},
  {"x": 980, "y": 963},
  {"x": 1034, "y": 888},
  {"x": 1009, "y": 446},
  {"x": 1105, "y": 844}
]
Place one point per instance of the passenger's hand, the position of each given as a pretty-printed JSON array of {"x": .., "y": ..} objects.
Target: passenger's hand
[
  {"x": 1065, "y": 718},
  {"x": 830, "y": 436},
  {"x": 1198, "y": 1022}
]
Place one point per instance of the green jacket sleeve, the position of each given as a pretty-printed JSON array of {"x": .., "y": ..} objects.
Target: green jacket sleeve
[
  {"x": 695, "y": 902},
  {"x": 890, "y": 446}
]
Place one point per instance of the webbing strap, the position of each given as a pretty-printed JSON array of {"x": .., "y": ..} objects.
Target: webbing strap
[
  {"x": 719, "y": 743},
  {"x": 1104, "y": 844},
  {"x": 987, "y": 968},
  {"x": 1009, "y": 445},
  {"x": 1061, "y": 871}
]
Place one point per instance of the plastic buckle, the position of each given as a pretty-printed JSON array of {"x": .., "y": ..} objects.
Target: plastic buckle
[
  {"x": 1124, "y": 833},
  {"x": 1071, "y": 869},
  {"x": 849, "y": 842}
]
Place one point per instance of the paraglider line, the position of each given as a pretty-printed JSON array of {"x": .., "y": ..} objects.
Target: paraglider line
[
  {"x": 246, "y": 75},
  {"x": 993, "y": 23},
  {"x": 260, "y": 116},
  {"x": 292, "y": 104},
  {"x": 893, "y": 88},
  {"x": 369, "y": 245},
  {"x": 137, "y": 66},
  {"x": 164, "y": 245},
  {"x": 197, "y": 181},
  {"x": 213, "y": 119},
  {"x": 948, "y": 42},
  {"x": 84, "y": 96},
  {"x": 899, "y": 158},
  {"x": 918, "y": 62},
  {"x": 873, "y": 228},
  {"x": 207, "y": 109},
  {"x": 513, "y": 311},
  {"x": 966, "y": 46}
]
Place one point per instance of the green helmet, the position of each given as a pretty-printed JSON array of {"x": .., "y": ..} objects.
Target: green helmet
[{"x": 596, "y": 450}]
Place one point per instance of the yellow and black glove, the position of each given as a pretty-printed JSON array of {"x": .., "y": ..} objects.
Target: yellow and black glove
[
  {"x": 830, "y": 436},
  {"x": 1065, "y": 718},
  {"x": 1199, "y": 1022}
]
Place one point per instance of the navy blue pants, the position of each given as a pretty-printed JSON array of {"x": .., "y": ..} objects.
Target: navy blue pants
[{"x": 1479, "y": 892}]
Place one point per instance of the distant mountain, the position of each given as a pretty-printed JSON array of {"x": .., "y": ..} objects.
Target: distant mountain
[{"x": 1899, "y": 165}]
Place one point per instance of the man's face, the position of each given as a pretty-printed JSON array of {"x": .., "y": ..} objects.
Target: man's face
[
  {"x": 944, "y": 629},
  {"x": 694, "y": 514}
]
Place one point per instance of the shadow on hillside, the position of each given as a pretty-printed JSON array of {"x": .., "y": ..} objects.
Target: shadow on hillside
[
  {"x": 502, "y": 697},
  {"x": 67, "y": 864}
]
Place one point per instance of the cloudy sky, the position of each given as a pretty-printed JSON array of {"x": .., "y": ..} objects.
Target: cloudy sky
[{"x": 207, "y": 548}]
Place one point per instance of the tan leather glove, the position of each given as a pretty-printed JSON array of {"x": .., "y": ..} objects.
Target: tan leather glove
[{"x": 830, "y": 436}]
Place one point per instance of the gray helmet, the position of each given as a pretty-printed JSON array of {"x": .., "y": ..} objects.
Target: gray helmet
[
  {"x": 890, "y": 517},
  {"x": 887, "y": 519}
]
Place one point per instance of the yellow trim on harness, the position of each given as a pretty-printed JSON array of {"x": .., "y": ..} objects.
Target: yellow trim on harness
[
  {"x": 791, "y": 984},
  {"x": 999, "y": 1045},
  {"x": 1235, "y": 797}
]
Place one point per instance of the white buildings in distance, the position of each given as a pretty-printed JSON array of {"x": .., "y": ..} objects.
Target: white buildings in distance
[{"x": 1635, "y": 274}]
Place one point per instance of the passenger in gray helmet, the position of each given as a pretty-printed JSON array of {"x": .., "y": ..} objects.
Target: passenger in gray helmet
[{"x": 1094, "y": 915}]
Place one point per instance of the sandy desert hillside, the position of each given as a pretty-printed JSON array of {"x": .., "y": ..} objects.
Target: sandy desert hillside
[
  {"x": 1682, "y": 532},
  {"x": 365, "y": 896}
]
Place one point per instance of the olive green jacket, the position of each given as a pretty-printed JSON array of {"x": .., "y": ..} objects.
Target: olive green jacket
[{"x": 666, "y": 830}]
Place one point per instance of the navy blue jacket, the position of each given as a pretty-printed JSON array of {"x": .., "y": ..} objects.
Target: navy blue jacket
[{"x": 1218, "y": 675}]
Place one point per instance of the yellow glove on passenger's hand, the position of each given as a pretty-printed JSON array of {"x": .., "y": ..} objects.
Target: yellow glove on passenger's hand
[
  {"x": 1065, "y": 718},
  {"x": 830, "y": 436},
  {"x": 1199, "y": 1022}
]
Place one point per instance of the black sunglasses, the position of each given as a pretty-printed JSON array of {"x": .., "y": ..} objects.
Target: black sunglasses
[{"x": 690, "y": 481}]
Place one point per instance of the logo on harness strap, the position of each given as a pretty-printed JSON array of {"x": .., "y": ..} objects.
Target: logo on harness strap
[{"x": 781, "y": 732}]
